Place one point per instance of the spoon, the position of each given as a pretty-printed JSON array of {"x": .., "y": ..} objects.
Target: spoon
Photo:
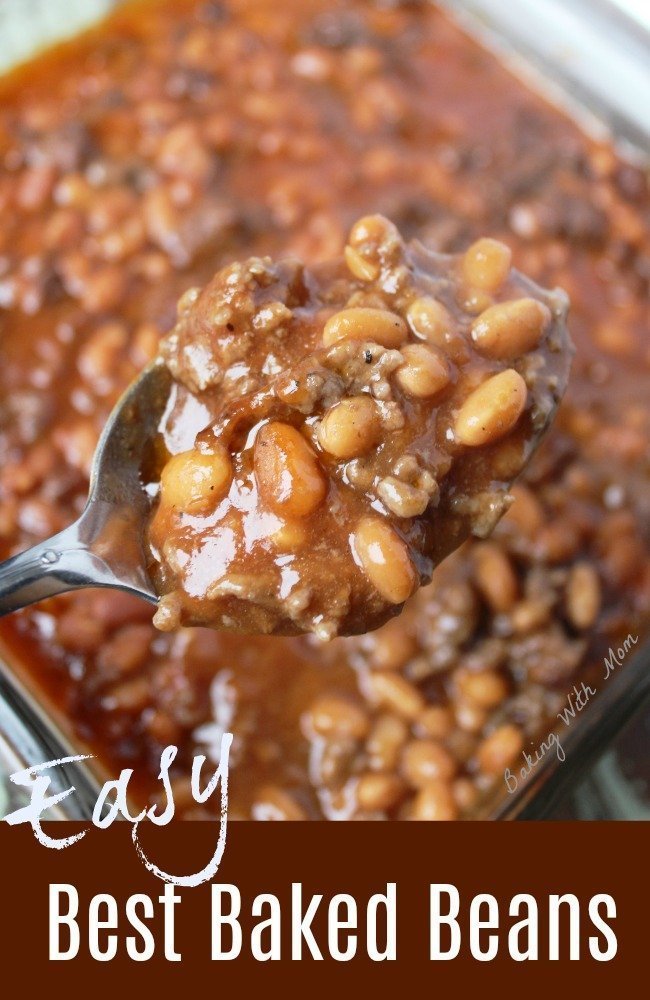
[{"x": 103, "y": 548}]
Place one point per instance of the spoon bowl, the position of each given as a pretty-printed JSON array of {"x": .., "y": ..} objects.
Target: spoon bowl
[{"x": 104, "y": 547}]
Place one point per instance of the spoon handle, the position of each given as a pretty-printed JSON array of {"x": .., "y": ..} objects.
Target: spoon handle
[
  {"x": 61, "y": 563},
  {"x": 67, "y": 561}
]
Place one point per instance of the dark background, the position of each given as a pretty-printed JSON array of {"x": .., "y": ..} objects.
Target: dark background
[{"x": 500, "y": 858}]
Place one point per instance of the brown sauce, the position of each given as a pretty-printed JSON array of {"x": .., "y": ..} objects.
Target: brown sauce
[{"x": 334, "y": 432}]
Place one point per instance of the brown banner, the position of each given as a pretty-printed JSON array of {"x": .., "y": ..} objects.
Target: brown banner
[{"x": 589, "y": 861}]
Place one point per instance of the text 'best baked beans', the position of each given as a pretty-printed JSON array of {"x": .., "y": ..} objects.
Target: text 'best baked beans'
[{"x": 335, "y": 432}]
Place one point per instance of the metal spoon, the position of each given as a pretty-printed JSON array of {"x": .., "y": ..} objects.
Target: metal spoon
[{"x": 104, "y": 547}]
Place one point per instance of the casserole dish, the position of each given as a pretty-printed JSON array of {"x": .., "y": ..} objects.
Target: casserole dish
[{"x": 565, "y": 64}]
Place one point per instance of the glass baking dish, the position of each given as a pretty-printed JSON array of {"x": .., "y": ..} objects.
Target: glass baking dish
[{"x": 590, "y": 57}]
